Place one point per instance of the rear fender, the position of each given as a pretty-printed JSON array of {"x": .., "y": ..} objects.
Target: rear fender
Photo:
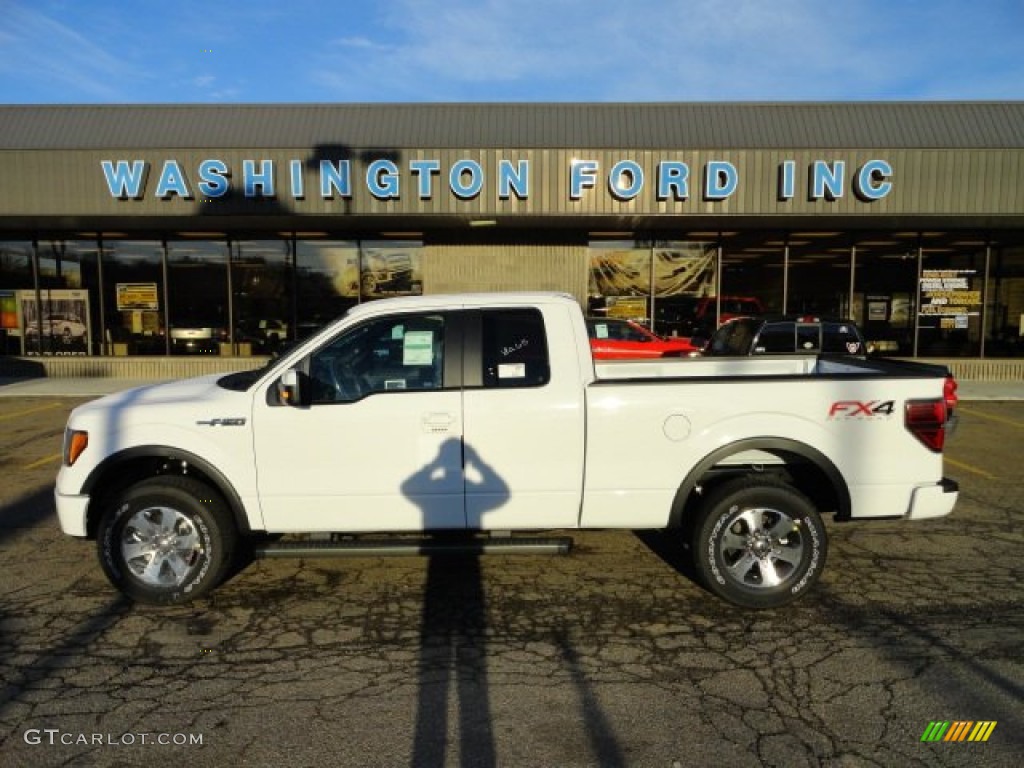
[{"x": 795, "y": 454}]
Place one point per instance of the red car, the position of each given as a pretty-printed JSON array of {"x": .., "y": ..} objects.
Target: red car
[{"x": 612, "y": 339}]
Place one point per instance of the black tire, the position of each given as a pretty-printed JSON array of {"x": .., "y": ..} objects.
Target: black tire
[
  {"x": 166, "y": 540},
  {"x": 758, "y": 543}
]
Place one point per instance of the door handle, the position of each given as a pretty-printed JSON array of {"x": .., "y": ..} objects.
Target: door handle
[{"x": 437, "y": 423}]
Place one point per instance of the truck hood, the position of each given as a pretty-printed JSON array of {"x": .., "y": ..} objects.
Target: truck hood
[{"x": 188, "y": 399}]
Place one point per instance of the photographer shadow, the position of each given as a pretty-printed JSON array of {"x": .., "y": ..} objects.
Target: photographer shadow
[{"x": 452, "y": 648}]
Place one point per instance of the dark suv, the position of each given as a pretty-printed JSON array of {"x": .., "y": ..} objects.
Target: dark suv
[{"x": 804, "y": 334}]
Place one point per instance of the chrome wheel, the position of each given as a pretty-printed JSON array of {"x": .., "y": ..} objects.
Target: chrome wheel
[
  {"x": 761, "y": 547},
  {"x": 758, "y": 542},
  {"x": 160, "y": 545}
]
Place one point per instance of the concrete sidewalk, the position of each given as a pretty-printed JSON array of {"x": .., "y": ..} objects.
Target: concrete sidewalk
[{"x": 95, "y": 387}]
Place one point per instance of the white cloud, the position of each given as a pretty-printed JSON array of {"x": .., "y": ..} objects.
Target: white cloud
[
  {"x": 653, "y": 50},
  {"x": 39, "y": 49}
]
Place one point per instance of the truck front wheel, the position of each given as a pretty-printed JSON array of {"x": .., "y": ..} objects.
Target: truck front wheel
[
  {"x": 759, "y": 543},
  {"x": 166, "y": 540}
]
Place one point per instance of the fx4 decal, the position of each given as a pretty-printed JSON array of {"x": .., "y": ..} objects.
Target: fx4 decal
[{"x": 854, "y": 409}]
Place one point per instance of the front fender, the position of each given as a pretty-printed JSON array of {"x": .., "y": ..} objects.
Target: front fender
[{"x": 110, "y": 469}]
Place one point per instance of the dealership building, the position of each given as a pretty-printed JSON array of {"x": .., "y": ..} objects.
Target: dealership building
[{"x": 162, "y": 230}]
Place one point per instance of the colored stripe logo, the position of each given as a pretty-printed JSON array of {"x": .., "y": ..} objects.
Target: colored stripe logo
[{"x": 958, "y": 730}]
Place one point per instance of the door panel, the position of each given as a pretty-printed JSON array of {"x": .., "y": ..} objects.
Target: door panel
[
  {"x": 380, "y": 447},
  {"x": 524, "y": 424}
]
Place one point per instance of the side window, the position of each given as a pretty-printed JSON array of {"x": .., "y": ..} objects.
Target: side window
[
  {"x": 741, "y": 338},
  {"x": 776, "y": 339},
  {"x": 514, "y": 349},
  {"x": 391, "y": 354}
]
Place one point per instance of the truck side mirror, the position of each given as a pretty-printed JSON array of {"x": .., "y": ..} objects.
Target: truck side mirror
[{"x": 294, "y": 388}]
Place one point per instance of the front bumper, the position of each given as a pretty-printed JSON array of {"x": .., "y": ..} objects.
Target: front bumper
[
  {"x": 72, "y": 513},
  {"x": 933, "y": 500}
]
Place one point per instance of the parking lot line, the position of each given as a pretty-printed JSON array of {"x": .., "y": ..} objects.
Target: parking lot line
[
  {"x": 969, "y": 468},
  {"x": 27, "y": 411},
  {"x": 42, "y": 461},
  {"x": 1000, "y": 419}
]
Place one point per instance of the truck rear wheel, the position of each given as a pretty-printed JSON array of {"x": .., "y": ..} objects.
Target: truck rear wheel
[
  {"x": 759, "y": 543},
  {"x": 166, "y": 540}
]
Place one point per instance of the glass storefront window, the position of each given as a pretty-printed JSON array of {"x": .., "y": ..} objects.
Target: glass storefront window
[
  {"x": 68, "y": 282},
  {"x": 753, "y": 277},
  {"x": 818, "y": 282},
  {"x": 326, "y": 282},
  {"x": 952, "y": 286},
  {"x": 16, "y": 274},
  {"x": 199, "y": 297},
  {"x": 261, "y": 282},
  {"x": 620, "y": 280},
  {"x": 685, "y": 273},
  {"x": 1005, "y": 310},
  {"x": 658, "y": 284},
  {"x": 390, "y": 268},
  {"x": 134, "y": 316},
  {"x": 884, "y": 301}
]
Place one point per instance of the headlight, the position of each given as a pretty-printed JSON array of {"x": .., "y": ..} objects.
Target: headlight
[{"x": 75, "y": 441}]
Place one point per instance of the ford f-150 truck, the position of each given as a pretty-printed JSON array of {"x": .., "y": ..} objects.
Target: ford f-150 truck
[{"x": 486, "y": 415}]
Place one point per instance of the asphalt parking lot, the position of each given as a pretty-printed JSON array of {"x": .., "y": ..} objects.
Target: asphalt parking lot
[{"x": 610, "y": 656}]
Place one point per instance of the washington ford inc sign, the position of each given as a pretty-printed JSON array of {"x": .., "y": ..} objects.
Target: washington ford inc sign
[{"x": 384, "y": 179}]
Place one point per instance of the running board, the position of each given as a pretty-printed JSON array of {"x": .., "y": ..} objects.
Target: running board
[{"x": 418, "y": 546}]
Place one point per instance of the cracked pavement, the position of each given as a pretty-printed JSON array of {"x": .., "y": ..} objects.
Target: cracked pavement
[{"x": 611, "y": 656}]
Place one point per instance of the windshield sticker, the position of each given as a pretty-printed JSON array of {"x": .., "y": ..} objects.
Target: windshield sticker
[
  {"x": 601, "y": 331},
  {"x": 512, "y": 371},
  {"x": 418, "y": 348}
]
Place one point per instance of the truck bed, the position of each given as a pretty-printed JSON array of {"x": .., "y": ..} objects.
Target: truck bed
[{"x": 781, "y": 366}]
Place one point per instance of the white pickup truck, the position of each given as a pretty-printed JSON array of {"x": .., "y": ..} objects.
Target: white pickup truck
[{"x": 458, "y": 420}]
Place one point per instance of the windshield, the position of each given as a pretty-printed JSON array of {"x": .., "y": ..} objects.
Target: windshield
[{"x": 616, "y": 330}]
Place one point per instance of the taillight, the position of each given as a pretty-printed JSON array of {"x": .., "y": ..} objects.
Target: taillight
[
  {"x": 926, "y": 420},
  {"x": 949, "y": 394}
]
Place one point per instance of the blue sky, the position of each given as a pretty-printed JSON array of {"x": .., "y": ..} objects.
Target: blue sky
[{"x": 216, "y": 51}]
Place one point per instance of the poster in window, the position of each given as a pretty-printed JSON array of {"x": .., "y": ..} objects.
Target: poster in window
[
  {"x": 391, "y": 272},
  {"x": 60, "y": 326},
  {"x": 949, "y": 293},
  {"x": 132, "y": 296},
  {"x": 878, "y": 311}
]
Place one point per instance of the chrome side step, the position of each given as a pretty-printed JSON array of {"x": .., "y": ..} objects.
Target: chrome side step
[{"x": 426, "y": 546}]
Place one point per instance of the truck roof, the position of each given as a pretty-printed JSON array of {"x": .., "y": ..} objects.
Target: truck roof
[{"x": 461, "y": 300}]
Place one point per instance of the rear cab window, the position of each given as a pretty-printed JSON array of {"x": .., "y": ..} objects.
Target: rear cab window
[
  {"x": 514, "y": 349},
  {"x": 842, "y": 339}
]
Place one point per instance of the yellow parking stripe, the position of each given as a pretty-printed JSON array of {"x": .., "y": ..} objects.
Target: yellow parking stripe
[
  {"x": 42, "y": 461},
  {"x": 18, "y": 414},
  {"x": 969, "y": 468},
  {"x": 1000, "y": 419}
]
